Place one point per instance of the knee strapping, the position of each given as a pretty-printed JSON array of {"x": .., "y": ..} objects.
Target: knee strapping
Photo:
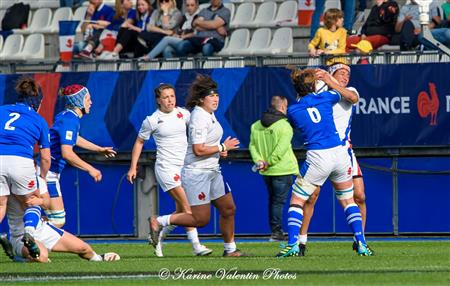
[
  {"x": 56, "y": 217},
  {"x": 344, "y": 194},
  {"x": 302, "y": 188}
]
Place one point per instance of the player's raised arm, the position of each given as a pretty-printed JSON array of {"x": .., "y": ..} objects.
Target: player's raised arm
[{"x": 332, "y": 83}]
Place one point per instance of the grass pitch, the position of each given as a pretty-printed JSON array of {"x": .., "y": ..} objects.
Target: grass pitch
[{"x": 326, "y": 263}]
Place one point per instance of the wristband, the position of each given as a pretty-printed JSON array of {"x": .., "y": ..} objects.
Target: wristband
[
  {"x": 220, "y": 146},
  {"x": 224, "y": 146}
]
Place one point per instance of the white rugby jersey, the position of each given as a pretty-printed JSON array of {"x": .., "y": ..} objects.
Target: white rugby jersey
[
  {"x": 169, "y": 132},
  {"x": 203, "y": 128},
  {"x": 342, "y": 116}
]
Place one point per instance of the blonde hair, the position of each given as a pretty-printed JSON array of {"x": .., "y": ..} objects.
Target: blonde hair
[{"x": 331, "y": 17}]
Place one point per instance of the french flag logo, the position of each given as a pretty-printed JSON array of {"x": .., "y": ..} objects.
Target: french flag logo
[{"x": 67, "y": 30}]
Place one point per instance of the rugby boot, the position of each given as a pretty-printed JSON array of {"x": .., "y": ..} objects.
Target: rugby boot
[
  {"x": 288, "y": 250},
  {"x": 236, "y": 253},
  {"x": 155, "y": 229},
  {"x": 31, "y": 245},
  {"x": 363, "y": 250},
  {"x": 301, "y": 249},
  {"x": 6, "y": 245}
]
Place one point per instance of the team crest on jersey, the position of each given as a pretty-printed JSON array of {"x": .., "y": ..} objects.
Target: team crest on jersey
[
  {"x": 69, "y": 135},
  {"x": 180, "y": 115},
  {"x": 176, "y": 178},
  {"x": 202, "y": 196}
]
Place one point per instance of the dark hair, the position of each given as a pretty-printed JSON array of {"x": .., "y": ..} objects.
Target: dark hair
[
  {"x": 304, "y": 81},
  {"x": 158, "y": 91},
  {"x": 200, "y": 87},
  {"x": 27, "y": 87},
  {"x": 277, "y": 101},
  {"x": 150, "y": 9}
]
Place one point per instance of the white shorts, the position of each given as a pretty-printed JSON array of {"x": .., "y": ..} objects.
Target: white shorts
[
  {"x": 168, "y": 176},
  {"x": 46, "y": 233},
  {"x": 203, "y": 186},
  {"x": 17, "y": 176},
  {"x": 356, "y": 171},
  {"x": 53, "y": 187},
  {"x": 333, "y": 163}
]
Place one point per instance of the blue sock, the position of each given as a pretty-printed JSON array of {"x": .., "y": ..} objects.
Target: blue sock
[
  {"x": 295, "y": 219},
  {"x": 354, "y": 220},
  {"x": 31, "y": 218}
]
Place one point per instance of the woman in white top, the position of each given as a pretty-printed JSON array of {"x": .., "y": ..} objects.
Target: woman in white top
[
  {"x": 167, "y": 125},
  {"x": 202, "y": 178}
]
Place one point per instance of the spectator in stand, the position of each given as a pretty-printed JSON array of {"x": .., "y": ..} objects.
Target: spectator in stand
[
  {"x": 330, "y": 39},
  {"x": 379, "y": 26},
  {"x": 446, "y": 10},
  {"x": 168, "y": 43},
  {"x": 165, "y": 21},
  {"x": 130, "y": 29},
  {"x": 70, "y": 3},
  {"x": 408, "y": 27},
  {"x": 211, "y": 25},
  {"x": 124, "y": 16},
  {"x": 348, "y": 6},
  {"x": 439, "y": 27},
  {"x": 96, "y": 23},
  {"x": 315, "y": 21}
]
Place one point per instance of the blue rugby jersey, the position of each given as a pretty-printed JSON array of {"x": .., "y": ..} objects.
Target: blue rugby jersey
[
  {"x": 313, "y": 115},
  {"x": 20, "y": 128},
  {"x": 63, "y": 132}
]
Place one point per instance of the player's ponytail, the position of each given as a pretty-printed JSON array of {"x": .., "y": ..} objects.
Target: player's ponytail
[{"x": 29, "y": 92}]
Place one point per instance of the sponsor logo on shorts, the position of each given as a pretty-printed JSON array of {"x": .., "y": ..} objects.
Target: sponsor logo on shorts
[
  {"x": 202, "y": 196},
  {"x": 31, "y": 184},
  {"x": 176, "y": 178}
]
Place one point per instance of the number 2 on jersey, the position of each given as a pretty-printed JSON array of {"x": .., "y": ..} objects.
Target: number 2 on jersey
[
  {"x": 314, "y": 114},
  {"x": 14, "y": 116}
]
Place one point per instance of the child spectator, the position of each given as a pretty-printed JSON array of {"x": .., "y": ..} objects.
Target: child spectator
[{"x": 330, "y": 39}]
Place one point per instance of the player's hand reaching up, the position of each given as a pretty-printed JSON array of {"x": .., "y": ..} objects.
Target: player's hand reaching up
[
  {"x": 326, "y": 77},
  {"x": 231, "y": 143},
  {"x": 95, "y": 174},
  {"x": 108, "y": 152}
]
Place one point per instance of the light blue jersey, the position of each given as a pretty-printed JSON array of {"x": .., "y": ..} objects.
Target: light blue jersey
[
  {"x": 63, "y": 132},
  {"x": 313, "y": 115},
  {"x": 20, "y": 128}
]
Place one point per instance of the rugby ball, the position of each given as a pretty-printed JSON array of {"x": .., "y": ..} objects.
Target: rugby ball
[{"x": 321, "y": 86}]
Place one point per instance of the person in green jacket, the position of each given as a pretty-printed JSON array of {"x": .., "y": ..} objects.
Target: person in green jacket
[{"x": 271, "y": 151}]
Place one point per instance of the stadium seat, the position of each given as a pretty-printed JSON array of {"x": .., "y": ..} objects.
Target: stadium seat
[
  {"x": 287, "y": 14},
  {"x": 428, "y": 57},
  {"x": 12, "y": 45},
  {"x": 260, "y": 41},
  {"x": 265, "y": 14},
  {"x": 230, "y": 6},
  {"x": 332, "y": 4},
  {"x": 1, "y": 43},
  {"x": 40, "y": 20},
  {"x": 213, "y": 63},
  {"x": 238, "y": 41},
  {"x": 5, "y": 4},
  {"x": 79, "y": 16},
  {"x": 282, "y": 43},
  {"x": 61, "y": 14},
  {"x": 203, "y": 6},
  {"x": 34, "y": 48},
  {"x": 171, "y": 65},
  {"x": 36, "y": 4},
  {"x": 244, "y": 15},
  {"x": 406, "y": 58}
]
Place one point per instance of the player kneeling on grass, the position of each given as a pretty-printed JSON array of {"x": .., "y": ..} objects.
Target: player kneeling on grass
[{"x": 47, "y": 237}]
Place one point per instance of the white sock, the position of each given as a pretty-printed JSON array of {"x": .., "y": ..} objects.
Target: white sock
[
  {"x": 193, "y": 237},
  {"x": 31, "y": 230},
  {"x": 303, "y": 238},
  {"x": 164, "y": 220},
  {"x": 166, "y": 231},
  {"x": 96, "y": 257},
  {"x": 229, "y": 247}
]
